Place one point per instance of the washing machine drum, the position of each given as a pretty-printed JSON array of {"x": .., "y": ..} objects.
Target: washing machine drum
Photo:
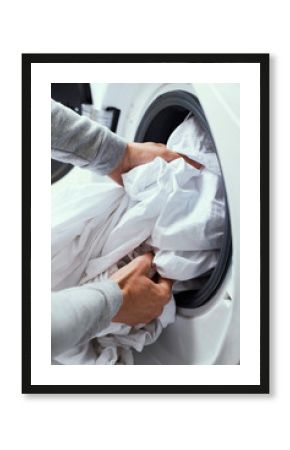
[{"x": 164, "y": 114}]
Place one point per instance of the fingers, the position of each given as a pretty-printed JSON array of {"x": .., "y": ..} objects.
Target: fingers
[
  {"x": 162, "y": 151},
  {"x": 142, "y": 153},
  {"x": 192, "y": 162},
  {"x": 170, "y": 156},
  {"x": 139, "y": 266},
  {"x": 166, "y": 287},
  {"x": 144, "y": 263}
]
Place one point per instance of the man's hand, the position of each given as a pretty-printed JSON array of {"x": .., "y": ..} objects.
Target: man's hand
[
  {"x": 141, "y": 153},
  {"x": 143, "y": 299}
]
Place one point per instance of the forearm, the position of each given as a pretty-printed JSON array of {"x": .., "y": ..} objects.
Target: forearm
[
  {"x": 80, "y": 141},
  {"x": 79, "y": 313}
]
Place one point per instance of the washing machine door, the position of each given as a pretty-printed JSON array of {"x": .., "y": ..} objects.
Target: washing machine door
[
  {"x": 206, "y": 334},
  {"x": 221, "y": 104},
  {"x": 218, "y": 317}
]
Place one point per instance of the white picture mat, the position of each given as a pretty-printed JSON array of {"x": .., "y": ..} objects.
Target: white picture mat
[{"x": 42, "y": 77}]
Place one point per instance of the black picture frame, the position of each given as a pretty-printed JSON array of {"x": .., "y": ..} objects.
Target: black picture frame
[{"x": 263, "y": 61}]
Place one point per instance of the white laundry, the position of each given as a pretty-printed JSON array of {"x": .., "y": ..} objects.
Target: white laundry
[{"x": 176, "y": 209}]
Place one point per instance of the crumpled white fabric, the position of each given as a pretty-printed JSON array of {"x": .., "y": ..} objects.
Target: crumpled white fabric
[{"x": 173, "y": 208}]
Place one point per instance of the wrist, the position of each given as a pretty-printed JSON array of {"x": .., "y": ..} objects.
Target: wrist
[
  {"x": 115, "y": 296},
  {"x": 126, "y": 162}
]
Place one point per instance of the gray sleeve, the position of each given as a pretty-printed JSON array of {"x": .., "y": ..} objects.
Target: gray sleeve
[
  {"x": 82, "y": 142},
  {"x": 79, "y": 313}
]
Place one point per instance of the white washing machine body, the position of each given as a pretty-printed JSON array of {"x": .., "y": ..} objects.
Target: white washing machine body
[{"x": 208, "y": 334}]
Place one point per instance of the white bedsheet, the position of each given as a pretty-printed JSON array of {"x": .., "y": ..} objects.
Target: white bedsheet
[{"x": 176, "y": 209}]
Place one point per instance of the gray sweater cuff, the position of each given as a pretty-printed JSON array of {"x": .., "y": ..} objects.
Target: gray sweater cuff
[
  {"x": 82, "y": 142},
  {"x": 79, "y": 313},
  {"x": 113, "y": 294},
  {"x": 111, "y": 153}
]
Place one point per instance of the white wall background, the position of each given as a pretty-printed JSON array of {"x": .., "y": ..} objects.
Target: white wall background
[{"x": 81, "y": 422}]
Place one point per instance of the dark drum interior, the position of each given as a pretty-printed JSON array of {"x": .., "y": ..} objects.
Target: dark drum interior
[{"x": 161, "y": 118}]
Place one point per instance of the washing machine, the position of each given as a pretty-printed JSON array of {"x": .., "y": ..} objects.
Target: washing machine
[{"x": 207, "y": 326}]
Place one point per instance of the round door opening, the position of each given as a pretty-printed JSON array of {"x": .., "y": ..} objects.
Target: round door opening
[{"x": 162, "y": 117}]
